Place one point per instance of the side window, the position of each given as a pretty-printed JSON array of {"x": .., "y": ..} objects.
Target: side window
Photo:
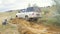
[
  {"x": 23, "y": 11},
  {"x": 18, "y": 11}
]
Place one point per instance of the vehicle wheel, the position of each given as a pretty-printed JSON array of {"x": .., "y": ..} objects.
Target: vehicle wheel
[
  {"x": 16, "y": 16},
  {"x": 26, "y": 17},
  {"x": 35, "y": 19}
]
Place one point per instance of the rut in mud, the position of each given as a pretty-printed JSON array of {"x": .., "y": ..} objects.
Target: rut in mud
[{"x": 26, "y": 27}]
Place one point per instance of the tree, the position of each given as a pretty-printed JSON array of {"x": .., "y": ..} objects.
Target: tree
[
  {"x": 55, "y": 20},
  {"x": 57, "y": 5}
]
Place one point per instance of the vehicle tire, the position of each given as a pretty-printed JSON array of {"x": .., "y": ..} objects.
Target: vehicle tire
[
  {"x": 26, "y": 17},
  {"x": 16, "y": 16}
]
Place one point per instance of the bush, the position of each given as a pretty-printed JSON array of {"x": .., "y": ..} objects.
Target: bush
[{"x": 55, "y": 21}]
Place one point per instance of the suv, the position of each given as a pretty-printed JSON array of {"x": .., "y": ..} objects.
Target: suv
[{"x": 29, "y": 13}]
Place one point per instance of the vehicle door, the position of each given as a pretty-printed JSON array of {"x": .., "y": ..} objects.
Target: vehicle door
[{"x": 23, "y": 14}]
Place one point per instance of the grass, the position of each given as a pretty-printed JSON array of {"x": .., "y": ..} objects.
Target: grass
[
  {"x": 7, "y": 15},
  {"x": 8, "y": 28}
]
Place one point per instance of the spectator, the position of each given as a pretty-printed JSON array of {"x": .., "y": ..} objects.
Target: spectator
[{"x": 4, "y": 22}]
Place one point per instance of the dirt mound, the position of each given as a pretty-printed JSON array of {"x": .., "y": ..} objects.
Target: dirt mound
[{"x": 26, "y": 27}]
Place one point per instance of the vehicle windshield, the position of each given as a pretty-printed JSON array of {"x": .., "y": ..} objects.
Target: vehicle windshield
[{"x": 30, "y": 9}]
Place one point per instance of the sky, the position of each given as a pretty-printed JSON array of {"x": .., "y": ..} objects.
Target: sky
[{"x": 21, "y": 4}]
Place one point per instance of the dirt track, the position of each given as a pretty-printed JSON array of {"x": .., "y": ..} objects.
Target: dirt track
[{"x": 26, "y": 27}]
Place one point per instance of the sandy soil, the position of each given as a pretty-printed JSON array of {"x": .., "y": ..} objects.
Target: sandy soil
[{"x": 29, "y": 28}]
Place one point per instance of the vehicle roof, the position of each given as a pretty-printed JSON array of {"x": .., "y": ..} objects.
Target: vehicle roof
[{"x": 29, "y": 9}]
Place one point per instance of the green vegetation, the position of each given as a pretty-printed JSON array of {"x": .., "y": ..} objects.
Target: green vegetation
[{"x": 48, "y": 16}]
